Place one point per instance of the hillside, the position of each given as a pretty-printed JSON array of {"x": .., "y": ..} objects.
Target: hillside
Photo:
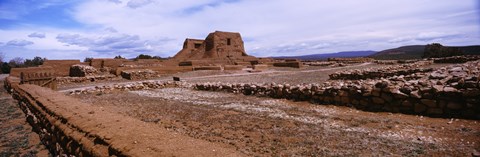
[
  {"x": 416, "y": 52},
  {"x": 329, "y": 55},
  {"x": 404, "y": 52}
]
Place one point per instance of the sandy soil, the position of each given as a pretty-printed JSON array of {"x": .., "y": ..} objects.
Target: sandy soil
[
  {"x": 274, "y": 127},
  {"x": 16, "y": 135}
]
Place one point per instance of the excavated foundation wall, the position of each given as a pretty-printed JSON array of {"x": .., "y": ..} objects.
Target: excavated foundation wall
[{"x": 69, "y": 127}]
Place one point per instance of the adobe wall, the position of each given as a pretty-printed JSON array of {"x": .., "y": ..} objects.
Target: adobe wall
[
  {"x": 217, "y": 48},
  {"x": 106, "y": 62},
  {"x": 293, "y": 64},
  {"x": 61, "y": 67},
  {"x": 16, "y": 71},
  {"x": 69, "y": 127}
]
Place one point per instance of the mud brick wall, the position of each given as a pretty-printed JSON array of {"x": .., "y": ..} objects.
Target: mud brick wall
[
  {"x": 207, "y": 68},
  {"x": 106, "y": 62},
  {"x": 16, "y": 71},
  {"x": 69, "y": 127},
  {"x": 260, "y": 67},
  {"x": 288, "y": 64},
  {"x": 233, "y": 67},
  {"x": 61, "y": 67}
]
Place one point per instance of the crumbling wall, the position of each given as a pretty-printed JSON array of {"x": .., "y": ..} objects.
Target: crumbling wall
[
  {"x": 456, "y": 59},
  {"x": 294, "y": 64},
  {"x": 16, "y": 71},
  {"x": 452, "y": 91},
  {"x": 139, "y": 74},
  {"x": 79, "y": 70},
  {"x": 351, "y": 60},
  {"x": 375, "y": 73},
  {"x": 68, "y": 127},
  {"x": 61, "y": 67}
]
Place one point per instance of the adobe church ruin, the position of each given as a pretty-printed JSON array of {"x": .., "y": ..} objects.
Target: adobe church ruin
[{"x": 225, "y": 48}]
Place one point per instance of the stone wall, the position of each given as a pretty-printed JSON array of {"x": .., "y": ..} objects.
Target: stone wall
[
  {"x": 92, "y": 78},
  {"x": 375, "y": 73},
  {"x": 456, "y": 59},
  {"x": 454, "y": 93},
  {"x": 139, "y": 74},
  {"x": 68, "y": 127},
  {"x": 351, "y": 60},
  {"x": 79, "y": 70}
]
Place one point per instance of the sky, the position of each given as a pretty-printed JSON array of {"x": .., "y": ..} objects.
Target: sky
[{"x": 75, "y": 29}]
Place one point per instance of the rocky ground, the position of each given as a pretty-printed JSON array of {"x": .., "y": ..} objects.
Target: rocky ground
[
  {"x": 16, "y": 136},
  {"x": 275, "y": 127}
]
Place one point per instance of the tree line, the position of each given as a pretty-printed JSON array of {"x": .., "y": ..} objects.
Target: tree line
[{"x": 19, "y": 62}]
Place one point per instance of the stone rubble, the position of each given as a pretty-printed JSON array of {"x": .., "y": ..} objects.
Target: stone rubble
[
  {"x": 139, "y": 74},
  {"x": 79, "y": 70},
  {"x": 383, "y": 72}
]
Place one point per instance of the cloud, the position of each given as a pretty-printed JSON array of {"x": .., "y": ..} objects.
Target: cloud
[
  {"x": 138, "y": 3},
  {"x": 37, "y": 35},
  {"x": 110, "y": 43},
  {"x": 19, "y": 43}
]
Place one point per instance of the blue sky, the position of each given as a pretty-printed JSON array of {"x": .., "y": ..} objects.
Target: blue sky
[{"x": 75, "y": 29}]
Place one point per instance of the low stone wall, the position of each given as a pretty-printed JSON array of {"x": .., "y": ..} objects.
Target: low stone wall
[
  {"x": 139, "y": 74},
  {"x": 94, "y": 78},
  {"x": 260, "y": 67},
  {"x": 79, "y": 70},
  {"x": 453, "y": 91},
  {"x": 233, "y": 67},
  {"x": 68, "y": 127},
  {"x": 374, "y": 73},
  {"x": 456, "y": 59}
]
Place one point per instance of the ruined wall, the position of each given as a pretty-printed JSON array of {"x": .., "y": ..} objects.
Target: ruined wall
[
  {"x": 351, "y": 60},
  {"x": 61, "y": 67},
  {"x": 16, "y": 71},
  {"x": 69, "y": 127},
  {"x": 218, "y": 48},
  {"x": 382, "y": 72},
  {"x": 456, "y": 59},
  {"x": 453, "y": 91},
  {"x": 294, "y": 64},
  {"x": 139, "y": 74},
  {"x": 106, "y": 62}
]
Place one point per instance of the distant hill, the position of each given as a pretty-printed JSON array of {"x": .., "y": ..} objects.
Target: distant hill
[
  {"x": 344, "y": 54},
  {"x": 416, "y": 52},
  {"x": 404, "y": 52}
]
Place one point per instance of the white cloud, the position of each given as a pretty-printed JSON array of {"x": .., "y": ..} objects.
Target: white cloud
[
  {"x": 19, "y": 43},
  {"x": 269, "y": 27}
]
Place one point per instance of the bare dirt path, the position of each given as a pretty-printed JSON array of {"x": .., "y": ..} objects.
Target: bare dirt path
[
  {"x": 16, "y": 135},
  {"x": 275, "y": 127}
]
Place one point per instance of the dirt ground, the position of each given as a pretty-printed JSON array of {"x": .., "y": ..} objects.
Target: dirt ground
[
  {"x": 16, "y": 135},
  {"x": 275, "y": 127}
]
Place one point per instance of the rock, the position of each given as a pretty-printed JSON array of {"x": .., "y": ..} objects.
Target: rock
[
  {"x": 415, "y": 94},
  {"x": 419, "y": 108},
  {"x": 387, "y": 97},
  {"x": 430, "y": 103},
  {"x": 381, "y": 84},
  {"x": 437, "y": 88},
  {"x": 450, "y": 90},
  {"x": 406, "y": 103},
  {"x": 378, "y": 100},
  {"x": 471, "y": 92},
  {"x": 435, "y": 111},
  {"x": 454, "y": 105}
]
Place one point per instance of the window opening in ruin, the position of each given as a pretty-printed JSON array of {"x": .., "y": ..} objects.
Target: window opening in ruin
[
  {"x": 198, "y": 45},
  {"x": 229, "y": 41}
]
